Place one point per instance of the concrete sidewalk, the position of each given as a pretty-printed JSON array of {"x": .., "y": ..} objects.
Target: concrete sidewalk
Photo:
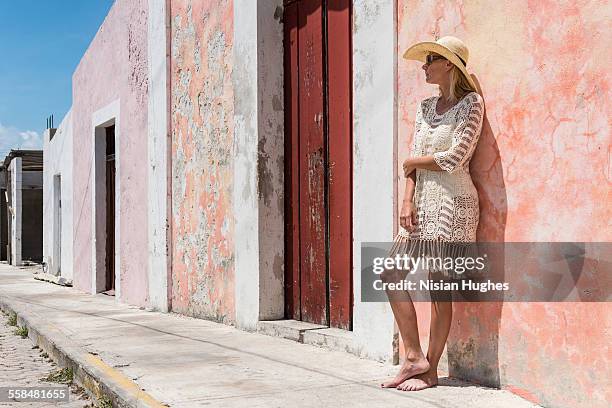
[{"x": 141, "y": 358}]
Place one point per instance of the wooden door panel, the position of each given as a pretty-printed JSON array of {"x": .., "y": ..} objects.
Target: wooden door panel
[
  {"x": 292, "y": 169},
  {"x": 313, "y": 280},
  {"x": 340, "y": 147}
]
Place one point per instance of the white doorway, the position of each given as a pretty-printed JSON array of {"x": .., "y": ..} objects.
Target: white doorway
[{"x": 106, "y": 216}]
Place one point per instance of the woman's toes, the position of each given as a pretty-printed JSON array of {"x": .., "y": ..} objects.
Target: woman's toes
[
  {"x": 413, "y": 384},
  {"x": 404, "y": 386}
]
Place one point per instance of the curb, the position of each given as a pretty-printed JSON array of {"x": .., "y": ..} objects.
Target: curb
[
  {"x": 47, "y": 277},
  {"x": 101, "y": 381}
]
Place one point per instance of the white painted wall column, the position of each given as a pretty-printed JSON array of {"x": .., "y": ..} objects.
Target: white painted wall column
[
  {"x": 374, "y": 114},
  {"x": 258, "y": 148},
  {"x": 16, "y": 185},
  {"x": 159, "y": 164},
  {"x": 48, "y": 239},
  {"x": 65, "y": 162}
]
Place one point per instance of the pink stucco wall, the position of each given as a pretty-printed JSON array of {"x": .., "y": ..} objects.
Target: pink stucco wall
[
  {"x": 543, "y": 173},
  {"x": 114, "y": 67},
  {"x": 202, "y": 141}
]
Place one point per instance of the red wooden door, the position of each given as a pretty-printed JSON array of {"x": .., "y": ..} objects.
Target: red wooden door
[{"x": 318, "y": 161}]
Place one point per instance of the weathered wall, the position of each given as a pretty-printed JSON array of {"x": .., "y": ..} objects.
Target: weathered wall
[
  {"x": 542, "y": 168},
  {"x": 373, "y": 131},
  {"x": 202, "y": 166},
  {"x": 158, "y": 157},
  {"x": 58, "y": 160},
  {"x": 114, "y": 68},
  {"x": 258, "y": 181}
]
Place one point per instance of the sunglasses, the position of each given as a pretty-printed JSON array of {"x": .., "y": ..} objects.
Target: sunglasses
[{"x": 431, "y": 58}]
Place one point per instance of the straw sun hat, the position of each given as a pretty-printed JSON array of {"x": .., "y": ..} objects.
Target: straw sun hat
[{"x": 451, "y": 48}]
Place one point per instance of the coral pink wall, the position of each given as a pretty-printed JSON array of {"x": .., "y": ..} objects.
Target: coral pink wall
[
  {"x": 114, "y": 67},
  {"x": 543, "y": 172},
  {"x": 202, "y": 143}
]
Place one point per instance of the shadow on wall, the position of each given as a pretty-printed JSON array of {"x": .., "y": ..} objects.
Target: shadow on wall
[{"x": 473, "y": 341}]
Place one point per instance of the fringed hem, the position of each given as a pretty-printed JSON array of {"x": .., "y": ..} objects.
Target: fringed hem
[{"x": 439, "y": 250}]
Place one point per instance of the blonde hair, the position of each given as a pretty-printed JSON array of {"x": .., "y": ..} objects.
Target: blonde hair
[{"x": 459, "y": 85}]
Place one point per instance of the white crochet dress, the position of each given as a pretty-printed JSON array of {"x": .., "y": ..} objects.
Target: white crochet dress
[{"x": 446, "y": 201}]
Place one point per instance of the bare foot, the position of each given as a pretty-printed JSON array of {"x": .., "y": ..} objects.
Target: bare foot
[
  {"x": 409, "y": 369},
  {"x": 420, "y": 382}
]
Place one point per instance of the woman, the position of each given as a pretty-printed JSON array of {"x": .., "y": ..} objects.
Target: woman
[{"x": 439, "y": 213}]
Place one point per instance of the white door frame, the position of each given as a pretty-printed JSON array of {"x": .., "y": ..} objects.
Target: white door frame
[{"x": 101, "y": 119}]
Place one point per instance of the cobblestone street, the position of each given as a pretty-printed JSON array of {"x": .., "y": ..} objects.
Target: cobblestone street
[{"x": 25, "y": 365}]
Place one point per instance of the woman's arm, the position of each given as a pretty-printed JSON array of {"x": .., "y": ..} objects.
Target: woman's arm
[
  {"x": 408, "y": 216},
  {"x": 410, "y": 183},
  {"x": 465, "y": 135},
  {"x": 423, "y": 162}
]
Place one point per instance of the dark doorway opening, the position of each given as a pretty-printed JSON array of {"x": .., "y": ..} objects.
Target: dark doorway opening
[
  {"x": 57, "y": 225},
  {"x": 110, "y": 211},
  {"x": 3, "y": 225}
]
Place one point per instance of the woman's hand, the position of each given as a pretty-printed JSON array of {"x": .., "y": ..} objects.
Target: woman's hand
[
  {"x": 408, "y": 167},
  {"x": 408, "y": 216}
]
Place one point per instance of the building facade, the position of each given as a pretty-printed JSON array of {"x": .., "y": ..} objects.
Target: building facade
[
  {"x": 23, "y": 196},
  {"x": 228, "y": 158},
  {"x": 58, "y": 199}
]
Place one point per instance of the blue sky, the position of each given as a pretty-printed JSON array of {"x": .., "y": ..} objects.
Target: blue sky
[{"x": 41, "y": 43}]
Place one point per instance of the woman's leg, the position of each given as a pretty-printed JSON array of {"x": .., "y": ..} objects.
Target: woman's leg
[
  {"x": 441, "y": 318},
  {"x": 406, "y": 318}
]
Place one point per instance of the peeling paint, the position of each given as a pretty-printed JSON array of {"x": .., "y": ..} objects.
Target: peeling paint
[
  {"x": 202, "y": 145},
  {"x": 543, "y": 74}
]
